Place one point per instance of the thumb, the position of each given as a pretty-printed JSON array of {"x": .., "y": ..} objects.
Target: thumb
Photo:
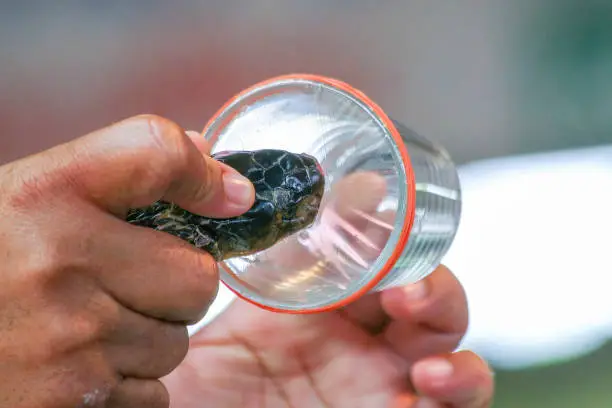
[{"x": 147, "y": 158}]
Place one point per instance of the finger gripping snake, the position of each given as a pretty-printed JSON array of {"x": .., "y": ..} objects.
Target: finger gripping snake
[{"x": 288, "y": 192}]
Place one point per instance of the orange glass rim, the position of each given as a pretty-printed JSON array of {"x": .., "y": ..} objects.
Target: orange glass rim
[{"x": 410, "y": 186}]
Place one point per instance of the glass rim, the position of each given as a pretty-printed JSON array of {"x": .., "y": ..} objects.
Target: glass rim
[{"x": 397, "y": 241}]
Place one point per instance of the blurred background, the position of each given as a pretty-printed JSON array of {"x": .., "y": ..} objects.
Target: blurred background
[{"x": 519, "y": 92}]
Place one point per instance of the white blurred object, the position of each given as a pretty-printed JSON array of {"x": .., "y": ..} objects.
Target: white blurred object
[{"x": 532, "y": 251}]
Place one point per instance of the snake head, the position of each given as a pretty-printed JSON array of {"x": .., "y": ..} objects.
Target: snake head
[{"x": 288, "y": 192}]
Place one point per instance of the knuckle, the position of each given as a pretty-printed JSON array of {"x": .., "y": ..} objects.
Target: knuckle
[
  {"x": 169, "y": 139},
  {"x": 47, "y": 263},
  {"x": 96, "y": 323},
  {"x": 38, "y": 252},
  {"x": 166, "y": 152},
  {"x": 47, "y": 257},
  {"x": 156, "y": 153},
  {"x": 70, "y": 330},
  {"x": 86, "y": 328}
]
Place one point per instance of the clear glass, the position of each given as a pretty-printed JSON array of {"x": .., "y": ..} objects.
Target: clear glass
[
  {"x": 367, "y": 202},
  {"x": 437, "y": 213}
]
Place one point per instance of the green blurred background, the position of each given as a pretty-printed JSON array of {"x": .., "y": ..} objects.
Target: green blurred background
[
  {"x": 485, "y": 78},
  {"x": 583, "y": 382}
]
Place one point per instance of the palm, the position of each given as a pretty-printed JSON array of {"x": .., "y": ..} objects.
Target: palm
[
  {"x": 359, "y": 356},
  {"x": 250, "y": 357}
]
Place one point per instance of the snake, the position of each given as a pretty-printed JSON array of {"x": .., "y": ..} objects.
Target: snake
[{"x": 288, "y": 193}]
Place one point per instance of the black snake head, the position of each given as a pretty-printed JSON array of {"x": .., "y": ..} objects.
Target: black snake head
[{"x": 288, "y": 192}]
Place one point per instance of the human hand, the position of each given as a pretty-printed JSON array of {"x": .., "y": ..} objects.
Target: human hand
[
  {"x": 390, "y": 349},
  {"x": 93, "y": 310}
]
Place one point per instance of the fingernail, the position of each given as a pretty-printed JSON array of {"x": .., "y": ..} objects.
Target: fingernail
[
  {"x": 426, "y": 403},
  {"x": 436, "y": 370},
  {"x": 238, "y": 189},
  {"x": 415, "y": 291}
]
